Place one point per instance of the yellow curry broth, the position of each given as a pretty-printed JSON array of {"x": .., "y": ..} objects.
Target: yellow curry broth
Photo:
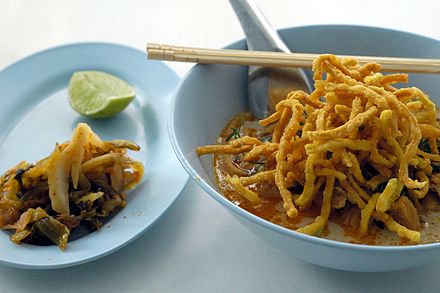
[{"x": 271, "y": 209}]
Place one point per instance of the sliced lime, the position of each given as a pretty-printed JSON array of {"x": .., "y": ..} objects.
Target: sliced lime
[{"x": 98, "y": 94}]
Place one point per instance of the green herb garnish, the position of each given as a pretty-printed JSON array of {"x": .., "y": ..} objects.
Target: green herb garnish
[
  {"x": 435, "y": 167},
  {"x": 319, "y": 232},
  {"x": 235, "y": 132},
  {"x": 381, "y": 187},
  {"x": 267, "y": 138},
  {"x": 424, "y": 145}
]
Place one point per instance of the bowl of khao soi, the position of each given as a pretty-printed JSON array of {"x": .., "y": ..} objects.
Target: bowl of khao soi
[{"x": 346, "y": 176}]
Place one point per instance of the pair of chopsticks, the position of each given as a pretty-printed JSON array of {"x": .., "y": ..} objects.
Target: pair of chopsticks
[{"x": 276, "y": 59}]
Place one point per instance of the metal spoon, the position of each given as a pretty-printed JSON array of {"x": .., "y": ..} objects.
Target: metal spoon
[{"x": 266, "y": 85}]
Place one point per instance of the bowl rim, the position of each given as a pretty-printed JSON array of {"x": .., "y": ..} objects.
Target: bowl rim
[{"x": 216, "y": 195}]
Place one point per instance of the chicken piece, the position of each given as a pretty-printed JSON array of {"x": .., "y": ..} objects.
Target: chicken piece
[
  {"x": 267, "y": 190},
  {"x": 405, "y": 213},
  {"x": 339, "y": 199},
  {"x": 434, "y": 183},
  {"x": 431, "y": 202},
  {"x": 351, "y": 217}
]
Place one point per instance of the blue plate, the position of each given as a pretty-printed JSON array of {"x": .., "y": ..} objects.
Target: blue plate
[{"x": 35, "y": 114}]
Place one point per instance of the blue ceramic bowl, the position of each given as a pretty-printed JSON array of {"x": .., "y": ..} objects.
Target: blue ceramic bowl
[{"x": 211, "y": 95}]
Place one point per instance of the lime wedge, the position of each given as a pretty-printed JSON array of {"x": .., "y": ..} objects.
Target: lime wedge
[{"x": 97, "y": 94}]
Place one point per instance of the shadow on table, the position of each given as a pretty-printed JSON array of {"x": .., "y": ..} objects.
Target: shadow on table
[{"x": 421, "y": 279}]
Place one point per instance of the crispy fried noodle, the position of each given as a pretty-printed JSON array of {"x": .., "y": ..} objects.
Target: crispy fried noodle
[{"x": 355, "y": 133}]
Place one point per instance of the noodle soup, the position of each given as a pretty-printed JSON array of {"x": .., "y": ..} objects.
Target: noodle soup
[
  {"x": 342, "y": 225},
  {"x": 356, "y": 160}
]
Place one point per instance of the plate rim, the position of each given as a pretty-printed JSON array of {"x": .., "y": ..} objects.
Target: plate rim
[{"x": 175, "y": 79}]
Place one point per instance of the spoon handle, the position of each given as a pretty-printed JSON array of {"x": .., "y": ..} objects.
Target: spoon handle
[{"x": 260, "y": 35}]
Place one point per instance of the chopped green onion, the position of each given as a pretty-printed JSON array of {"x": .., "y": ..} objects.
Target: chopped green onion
[
  {"x": 319, "y": 232},
  {"x": 235, "y": 132},
  {"x": 424, "y": 145}
]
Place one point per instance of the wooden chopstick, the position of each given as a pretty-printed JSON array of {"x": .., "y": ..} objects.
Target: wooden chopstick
[{"x": 276, "y": 59}]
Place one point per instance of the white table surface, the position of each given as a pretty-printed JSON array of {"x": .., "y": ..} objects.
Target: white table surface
[{"x": 197, "y": 246}]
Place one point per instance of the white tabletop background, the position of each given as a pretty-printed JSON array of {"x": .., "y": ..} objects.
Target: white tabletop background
[{"x": 198, "y": 246}]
